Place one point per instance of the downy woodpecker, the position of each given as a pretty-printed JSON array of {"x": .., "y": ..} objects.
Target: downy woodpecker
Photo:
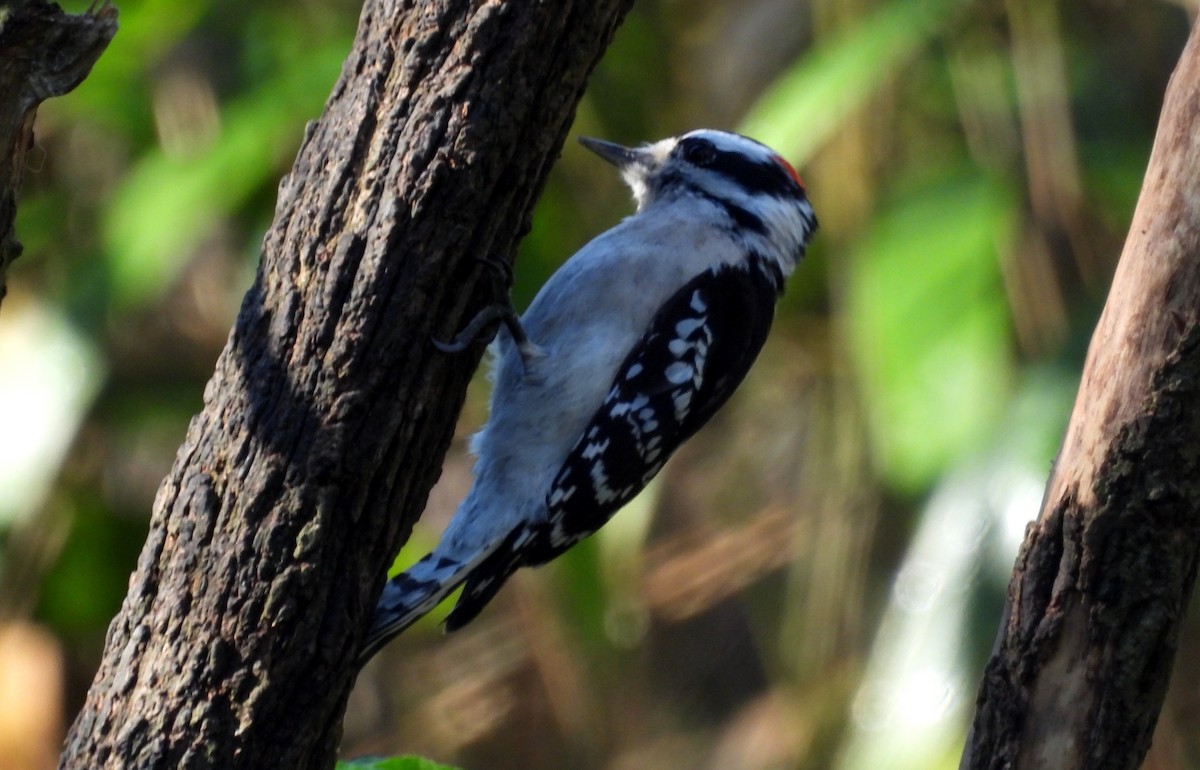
[{"x": 629, "y": 348}]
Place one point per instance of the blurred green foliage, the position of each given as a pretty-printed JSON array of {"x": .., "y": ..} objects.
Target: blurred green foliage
[
  {"x": 809, "y": 101},
  {"x": 974, "y": 165},
  {"x": 929, "y": 325}
]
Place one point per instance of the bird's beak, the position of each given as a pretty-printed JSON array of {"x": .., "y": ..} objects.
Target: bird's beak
[{"x": 621, "y": 157}]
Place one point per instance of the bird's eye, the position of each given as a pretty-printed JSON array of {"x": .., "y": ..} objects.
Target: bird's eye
[{"x": 698, "y": 152}]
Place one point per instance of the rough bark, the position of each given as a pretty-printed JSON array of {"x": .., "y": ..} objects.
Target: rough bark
[
  {"x": 1080, "y": 669},
  {"x": 329, "y": 412},
  {"x": 43, "y": 53}
]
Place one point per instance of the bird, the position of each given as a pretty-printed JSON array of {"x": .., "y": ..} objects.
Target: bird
[{"x": 630, "y": 347}]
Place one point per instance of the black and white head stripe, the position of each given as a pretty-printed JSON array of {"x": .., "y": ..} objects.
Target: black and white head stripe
[
  {"x": 764, "y": 200},
  {"x": 763, "y": 197},
  {"x": 753, "y": 166}
]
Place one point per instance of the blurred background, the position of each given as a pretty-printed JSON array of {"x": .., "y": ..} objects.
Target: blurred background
[{"x": 816, "y": 579}]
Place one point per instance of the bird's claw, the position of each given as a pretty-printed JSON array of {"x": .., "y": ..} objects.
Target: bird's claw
[{"x": 489, "y": 315}]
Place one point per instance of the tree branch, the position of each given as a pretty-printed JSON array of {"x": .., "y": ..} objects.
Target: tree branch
[
  {"x": 1094, "y": 608},
  {"x": 327, "y": 417},
  {"x": 43, "y": 53}
]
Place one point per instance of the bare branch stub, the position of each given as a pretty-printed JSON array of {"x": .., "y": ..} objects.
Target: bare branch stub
[{"x": 43, "y": 53}]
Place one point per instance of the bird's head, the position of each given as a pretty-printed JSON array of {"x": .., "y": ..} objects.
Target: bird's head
[{"x": 761, "y": 194}]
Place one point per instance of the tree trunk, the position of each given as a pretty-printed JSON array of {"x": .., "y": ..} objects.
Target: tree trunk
[
  {"x": 43, "y": 53},
  {"x": 1080, "y": 668},
  {"x": 329, "y": 412}
]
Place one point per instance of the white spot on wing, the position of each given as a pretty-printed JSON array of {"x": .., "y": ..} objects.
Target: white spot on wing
[
  {"x": 683, "y": 400},
  {"x": 594, "y": 449},
  {"x": 649, "y": 420},
  {"x": 679, "y": 373},
  {"x": 688, "y": 325},
  {"x": 600, "y": 484}
]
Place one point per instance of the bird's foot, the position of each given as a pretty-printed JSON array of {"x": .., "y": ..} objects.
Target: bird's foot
[{"x": 502, "y": 311}]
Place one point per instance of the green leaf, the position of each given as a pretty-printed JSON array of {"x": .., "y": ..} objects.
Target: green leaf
[
  {"x": 392, "y": 763},
  {"x": 804, "y": 107},
  {"x": 929, "y": 326}
]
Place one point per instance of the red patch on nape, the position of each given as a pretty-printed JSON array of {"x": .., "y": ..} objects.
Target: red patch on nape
[{"x": 790, "y": 170}]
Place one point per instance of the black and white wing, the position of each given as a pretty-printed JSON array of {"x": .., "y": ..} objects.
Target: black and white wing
[{"x": 698, "y": 350}]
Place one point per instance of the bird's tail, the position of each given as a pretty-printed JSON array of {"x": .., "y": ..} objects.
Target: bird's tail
[{"x": 407, "y": 597}]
